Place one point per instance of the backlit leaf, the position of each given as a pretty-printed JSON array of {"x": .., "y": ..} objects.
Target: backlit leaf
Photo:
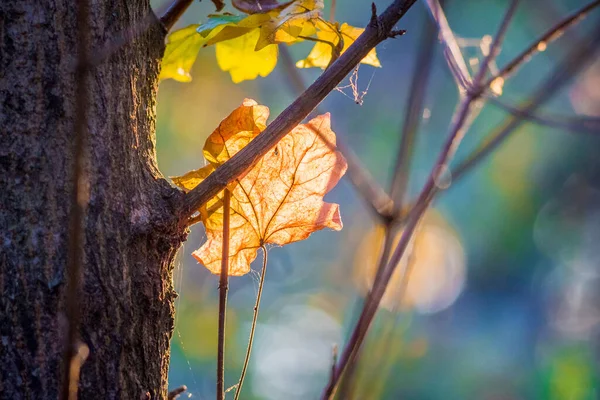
[
  {"x": 297, "y": 19},
  {"x": 235, "y": 132},
  {"x": 221, "y": 27},
  {"x": 180, "y": 54},
  {"x": 241, "y": 60},
  {"x": 280, "y": 200},
  {"x": 321, "y": 54}
]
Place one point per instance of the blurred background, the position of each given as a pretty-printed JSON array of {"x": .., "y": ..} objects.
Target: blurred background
[{"x": 504, "y": 302}]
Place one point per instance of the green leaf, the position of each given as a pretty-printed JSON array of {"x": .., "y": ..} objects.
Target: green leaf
[
  {"x": 227, "y": 31},
  {"x": 216, "y": 20}
]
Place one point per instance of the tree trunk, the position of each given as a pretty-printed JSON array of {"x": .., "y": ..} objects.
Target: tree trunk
[{"x": 131, "y": 237}]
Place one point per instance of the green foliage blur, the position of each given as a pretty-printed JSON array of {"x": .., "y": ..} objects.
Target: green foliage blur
[{"x": 508, "y": 305}]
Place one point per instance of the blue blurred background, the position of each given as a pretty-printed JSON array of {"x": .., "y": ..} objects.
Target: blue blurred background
[{"x": 505, "y": 300}]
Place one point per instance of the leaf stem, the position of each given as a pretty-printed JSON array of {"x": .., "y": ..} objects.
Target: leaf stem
[
  {"x": 253, "y": 326},
  {"x": 223, "y": 288}
]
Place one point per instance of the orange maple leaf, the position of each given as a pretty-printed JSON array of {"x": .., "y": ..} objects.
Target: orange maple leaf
[{"x": 280, "y": 200}]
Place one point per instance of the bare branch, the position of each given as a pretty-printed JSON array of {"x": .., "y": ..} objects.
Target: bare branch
[
  {"x": 585, "y": 125},
  {"x": 452, "y": 51},
  {"x": 76, "y": 352},
  {"x": 173, "y": 394},
  {"x": 174, "y": 12},
  {"x": 263, "y": 273},
  {"x": 495, "y": 46},
  {"x": 413, "y": 114},
  {"x": 457, "y": 131},
  {"x": 176, "y": 9},
  {"x": 542, "y": 42},
  {"x": 295, "y": 80},
  {"x": 374, "y": 34},
  {"x": 348, "y": 379},
  {"x": 194, "y": 220},
  {"x": 570, "y": 66}
]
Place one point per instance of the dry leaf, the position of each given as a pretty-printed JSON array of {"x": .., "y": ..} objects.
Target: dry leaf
[{"x": 280, "y": 200}]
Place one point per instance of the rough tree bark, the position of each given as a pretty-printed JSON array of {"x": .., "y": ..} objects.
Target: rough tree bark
[{"x": 131, "y": 237}]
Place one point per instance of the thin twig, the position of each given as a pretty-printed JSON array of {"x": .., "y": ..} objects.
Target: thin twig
[
  {"x": 541, "y": 43},
  {"x": 388, "y": 244},
  {"x": 72, "y": 360},
  {"x": 452, "y": 51},
  {"x": 570, "y": 66},
  {"x": 173, "y": 394},
  {"x": 334, "y": 357},
  {"x": 332, "y": 11},
  {"x": 376, "y": 31},
  {"x": 174, "y": 12},
  {"x": 495, "y": 46},
  {"x": 194, "y": 220},
  {"x": 295, "y": 80},
  {"x": 586, "y": 125},
  {"x": 223, "y": 288},
  {"x": 413, "y": 115},
  {"x": 455, "y": 136},
  {"x": 253, "y": 326}
]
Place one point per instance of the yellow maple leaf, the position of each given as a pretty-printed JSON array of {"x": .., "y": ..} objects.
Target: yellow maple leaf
[
  {"x": 321, "y": 54},
  {"x": 297, "y": 19},
  {"x": 181, "y": 53},
  {"x": 241, "y": 60},
  {"x": 226, "y": 27},
  {"x": 279, "y": 200}
]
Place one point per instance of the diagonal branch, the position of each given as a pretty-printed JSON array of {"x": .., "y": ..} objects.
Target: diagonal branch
[
  {"x": 176, "y": 9},
  {"x": 452, "y": 51},
  {"x": 413, "y": 114},
  {"x": 542, "y": 42},
  {"x": 223, "y": 288},
  {"x": 377, "y": 30},
  {"x": 376, "y": 198},
  {"x": 174, "y": 12},
  {"x": 574, "y": 124},
  {"x": 457, "y": 131},
  {"x": 571, "y": 65}
]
